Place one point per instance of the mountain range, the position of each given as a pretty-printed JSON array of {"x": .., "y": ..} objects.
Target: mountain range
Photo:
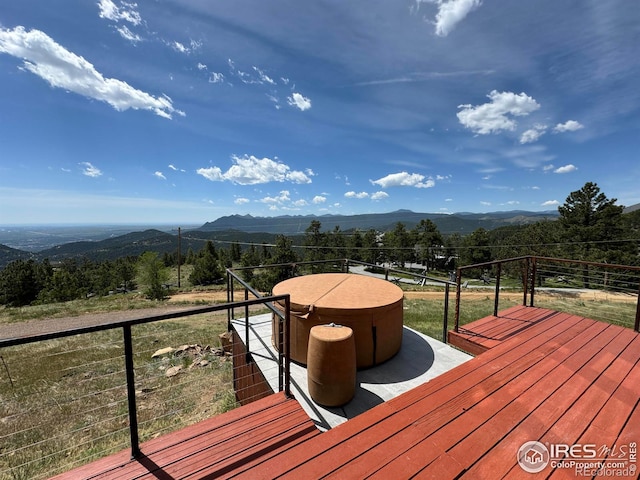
[
  {"x": 462, "y": 223},
  {"x": 109, "y": 243}
]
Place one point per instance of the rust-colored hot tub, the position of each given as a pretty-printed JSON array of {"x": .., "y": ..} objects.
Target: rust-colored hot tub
[{"x": 370, "y": 306}]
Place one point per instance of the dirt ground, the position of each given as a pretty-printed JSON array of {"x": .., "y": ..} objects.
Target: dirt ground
[{"x": 593, "y": 295}]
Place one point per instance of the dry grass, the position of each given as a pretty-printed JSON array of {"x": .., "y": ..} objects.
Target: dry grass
[{"x": 63, "y": 402}]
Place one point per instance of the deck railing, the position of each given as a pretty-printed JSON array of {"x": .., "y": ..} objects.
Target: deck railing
[
  {"x": 395, "y": 275},
  {"x": 71, "y": 396},
  {"x": 600, "y": 291},
  {"x": 78, "y": 394}
]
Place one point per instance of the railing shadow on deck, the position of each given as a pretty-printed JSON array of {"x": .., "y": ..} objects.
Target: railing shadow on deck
[{"x": 600, "y": 291}]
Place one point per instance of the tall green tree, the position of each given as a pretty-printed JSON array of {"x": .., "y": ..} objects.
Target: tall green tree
[
  {"x": 283, "y": 256},
  {"x": 153, "y": 275},
  {"x": 21, "y": 281},
  {"x": 355, "y": 246},
  {"x": 591, "y": 223},
  {"x": 336, "y": 243},
  {"x": 207, "y": 269},
  {"x": 475, "y": 248},
  {"x": 125, "y": 273},
  {"x": 589, "y": 219},
  {"x": 371, "y": 252},
  {"x": 428, "y": 242},
  {"x": 399, "y": 245},
  {"x": 236, "y": 252},
  {"x": 315, "y": 242}
]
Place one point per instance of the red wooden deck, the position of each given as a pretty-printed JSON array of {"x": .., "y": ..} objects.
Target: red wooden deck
[
  {"x": 479, "y": 336},
  {"x": 216, "y": 447},
  {"x": 563, "y": 380}
]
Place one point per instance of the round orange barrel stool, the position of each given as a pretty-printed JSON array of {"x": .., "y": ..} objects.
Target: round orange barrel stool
[{"x": 331, "y": 365}]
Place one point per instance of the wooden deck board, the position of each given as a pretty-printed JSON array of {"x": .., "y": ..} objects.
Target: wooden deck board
[
  {"x": 434, "y": 407},
  {"x": 478, "y": 415},
  {"x": 549, "y": 398},
  {"x": 472, "y": 432},
  {"x": 215, "y": 446},
  {"x": 481, "y": 335},
  {"x": 564, "y": 379}
]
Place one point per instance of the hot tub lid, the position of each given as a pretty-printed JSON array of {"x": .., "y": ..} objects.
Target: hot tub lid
[{"x": 338, "y": 291}]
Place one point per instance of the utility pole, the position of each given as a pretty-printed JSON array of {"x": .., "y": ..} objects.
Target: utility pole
[{"x": 179, "y": 259}]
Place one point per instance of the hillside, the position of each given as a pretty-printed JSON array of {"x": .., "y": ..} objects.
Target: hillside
[
  {"x": 8, "y": 255},
  {"x": 130, "y": 244}
]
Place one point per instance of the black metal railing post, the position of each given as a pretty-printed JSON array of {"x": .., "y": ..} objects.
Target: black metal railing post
[
  {"x": 525, "y": 282},
  {"x": 131, "y": 392},
  {"x": 497, "y": 295},
  {"x": 246, "y": 325},
  {"x": 281, "y": 353},
  {"x": 637, "y": 325},
  {"x": 458, "y": 281},
  {"x": 533, "y": 280},
  {"x": 445, "y": 320},
  {"x": 287, "y": 341}
]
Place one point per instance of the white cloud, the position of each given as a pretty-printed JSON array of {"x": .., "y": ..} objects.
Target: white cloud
[
  {"x": 548, "y": 168},
  {"x": 493, "y": 117},
  {"x": 160, "y": 175},
  {"x": 404, "y": 179},
  {"x": 319, "y": 199},
  {"x": 216, "y": 77},
  {"x": 201, "y": 66},
  {"x": 241, "y": 201},
  {"x": 275, "y": 100},
  {"x": 212, "y": 173},
  {"x": 264, "y": 78},
  {"x": 128, "y": 34},
  {"x": 356, "y": 195},
  {"x": 89, "y": 170},
  {"x": 550, "y": 203},
  {"x": 568, "y": 126},
  {"x": 125, "y": 11},
  {"x": 533, "y": 134},
  {"x": 179, "y": 47},
  {"x": 379, "y": 196},
  {"x": 182, "y": 48},
  {"x": 451, "y": 12},
  {"x": 63, "y": 69},
  {"x": 283, "y": 197},
  {"x": 249, "y": 170},
  {"x": 566, "y": 169},
  {"x": 299, "y": 101}
]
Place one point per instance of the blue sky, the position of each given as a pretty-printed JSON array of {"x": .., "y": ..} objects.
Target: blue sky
[{"x": 185, "y": 111}]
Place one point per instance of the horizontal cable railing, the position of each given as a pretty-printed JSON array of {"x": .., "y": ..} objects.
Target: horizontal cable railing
[
  {"x": 600, "y": 291},
  {"x": 395, "y": 275},
  {"x": 72, "y": 396}
]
